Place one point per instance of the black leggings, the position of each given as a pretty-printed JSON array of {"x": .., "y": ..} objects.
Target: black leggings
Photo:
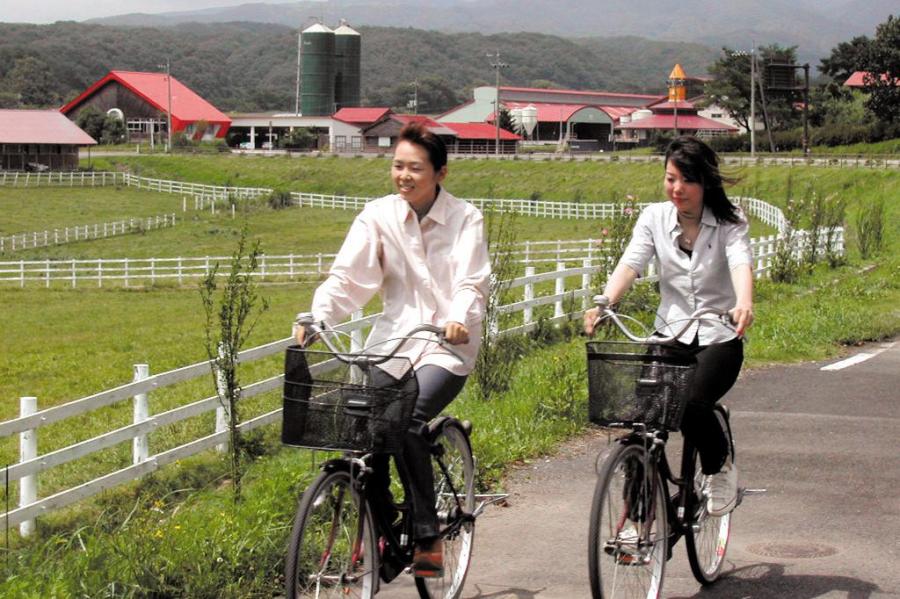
[
  {"x": 718, "y": 366},
  {"x": 437, "y": 388}
]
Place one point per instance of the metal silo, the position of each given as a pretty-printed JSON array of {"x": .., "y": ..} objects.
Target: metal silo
[
  {"x": 347, "y": 54},
  {"x": 317, "y": 71}
]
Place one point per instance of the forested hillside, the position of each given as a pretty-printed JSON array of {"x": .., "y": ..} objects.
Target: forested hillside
[{"x": 252, "y": 66}]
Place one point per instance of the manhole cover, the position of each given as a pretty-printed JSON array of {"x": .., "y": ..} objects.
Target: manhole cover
[{"x": 792, "y": 550}]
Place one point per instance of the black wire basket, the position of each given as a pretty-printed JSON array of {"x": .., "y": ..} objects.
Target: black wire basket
[
  {"x": 638, "y": 383},
  {"x": 332, "y": 406}
]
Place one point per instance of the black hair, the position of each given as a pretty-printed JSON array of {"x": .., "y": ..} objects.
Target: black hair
[
  {"x": 417, "y": 133},
  {"x": 698, "y": 163}
]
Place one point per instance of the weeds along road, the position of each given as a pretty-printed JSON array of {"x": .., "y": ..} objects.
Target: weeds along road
[{"x": 825, "y": 444}]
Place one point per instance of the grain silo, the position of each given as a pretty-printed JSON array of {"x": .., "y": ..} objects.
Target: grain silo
[
  {"x": 317, "y": 71},
  {"x": 347, "y": 59}
]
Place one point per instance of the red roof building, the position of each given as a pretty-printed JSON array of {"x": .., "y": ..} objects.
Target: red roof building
[
  {"x": 39, "y": 139},
  {"x": 142, "y": 100},
  {"x": 858, "y": 80},
  {"x": 361, "y": 117}
]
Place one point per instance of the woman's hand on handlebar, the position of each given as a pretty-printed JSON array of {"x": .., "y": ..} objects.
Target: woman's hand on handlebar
[
  {"x": 300, "y": 334},
  {"x": 742, "y": 317},
  {"x": 456, "y": 333},
  {"x": 590, "y": 320}
]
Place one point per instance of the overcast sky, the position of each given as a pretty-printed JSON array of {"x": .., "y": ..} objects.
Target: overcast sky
[{"x": 48, "y": 11}]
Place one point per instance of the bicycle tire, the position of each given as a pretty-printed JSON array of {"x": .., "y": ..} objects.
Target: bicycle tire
[
  {"x": 453, "y": 493},
  {"x": 707, "y": 536},
  {"x": 628, "y": 540},
  {"x": 332, "y": 549}
]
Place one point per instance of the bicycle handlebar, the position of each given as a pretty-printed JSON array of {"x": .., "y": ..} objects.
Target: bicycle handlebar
[
  {"x": 602, "y": 302},
  {"x": 321, "y": 330}
]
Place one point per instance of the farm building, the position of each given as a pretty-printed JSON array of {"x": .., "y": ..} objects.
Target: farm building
[
  {"x": 675, "y": 114},
  {"x": 592, "y": 120},
  {"x": 463, "y": 138},
  {"x": 142, "y": 101},
  {"x": 39, "y": 140}
]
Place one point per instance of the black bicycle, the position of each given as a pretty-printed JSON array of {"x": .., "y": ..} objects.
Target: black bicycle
[
  {"x": 345, "y": 540},
  {"x": 640, "y": 385}
]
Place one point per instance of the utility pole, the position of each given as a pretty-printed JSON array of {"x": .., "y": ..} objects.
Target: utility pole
[
  {"x": 497, "y": 64},
  {"x": 753, "y": 101},
  {"x": 297, "y": 90},
  {"x": 169, "y": 110},
  {"x": 806, "y": 110}
]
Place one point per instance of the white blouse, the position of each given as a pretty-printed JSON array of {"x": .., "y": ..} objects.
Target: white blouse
[
  {"x": 689, "y": 283},
  {"x": 434, "y": 271}
]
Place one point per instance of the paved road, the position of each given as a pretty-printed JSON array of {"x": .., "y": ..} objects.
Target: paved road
[{"x": 824, "y": 444}]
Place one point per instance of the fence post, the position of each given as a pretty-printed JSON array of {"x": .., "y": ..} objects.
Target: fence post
[
  {"x": 222, "y": 416},
  {"x": 27, "y": 451},
  {"x": 22, "y": 273},
  {"x": 560, "y": 289},
  {"x": 140, "y": 448},
  {"x": 586, "y": 283},
  {"x": 126, "y": 272},
  {"x": 527, "y": 313}
]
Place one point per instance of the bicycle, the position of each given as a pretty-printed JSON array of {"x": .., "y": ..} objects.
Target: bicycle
[
  {"x": 344, "y": 540},
  {"x": 641, "y": 385}
]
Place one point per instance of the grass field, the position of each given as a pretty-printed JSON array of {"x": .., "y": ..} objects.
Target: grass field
[{"x": 182, "y": 537}]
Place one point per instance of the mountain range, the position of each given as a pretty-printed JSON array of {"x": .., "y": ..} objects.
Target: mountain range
[{"x": 814, "y": 26}]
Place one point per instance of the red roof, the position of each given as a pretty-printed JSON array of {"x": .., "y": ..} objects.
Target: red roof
[
  {"x": 361, "y": 116},
  {"x": 686, "y": 121},
  {"x": 40, "y": 127},
  {"x": 671, "y": 106},
  {"x": 480, "y": 131},
  {"x": 857, "y": 79},
  {"x": 432, "y": 125},
  {"x": 187, "y": 106},
  {"x": 585, "y": 93}
]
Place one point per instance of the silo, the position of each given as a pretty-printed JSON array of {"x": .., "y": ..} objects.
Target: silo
[
  {"x": 347, "y": 57},
  {"x": 317, "y": 71}
]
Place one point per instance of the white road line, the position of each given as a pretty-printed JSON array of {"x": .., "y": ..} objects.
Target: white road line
[{"x": 853, "y": 360}]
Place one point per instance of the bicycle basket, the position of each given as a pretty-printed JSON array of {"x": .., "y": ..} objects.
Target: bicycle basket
[
  {"x": 638, "y": 383},
  {"x": 330, "y": 405}
]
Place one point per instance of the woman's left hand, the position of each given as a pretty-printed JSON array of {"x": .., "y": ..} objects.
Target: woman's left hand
[
  {"x": 456, "y": 333},
  {"x": 742, "y": 317}
]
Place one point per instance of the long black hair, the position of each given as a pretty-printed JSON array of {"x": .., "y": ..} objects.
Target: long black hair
[{"x": 698, "y": 163}]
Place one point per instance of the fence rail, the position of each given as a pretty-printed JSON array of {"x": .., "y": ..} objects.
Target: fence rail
[
  {"x": 128, "y": 271},
  {"x": 567, "y": 300},
  {"x": 37, "y": 239}
]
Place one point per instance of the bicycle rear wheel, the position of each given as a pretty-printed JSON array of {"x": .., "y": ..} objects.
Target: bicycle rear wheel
[
  {"x": 454, "y": 484},
  {"x": 707, "y": 536},
  {"x": 628, "y": 533},
  {"x": 332, "y": 546}
]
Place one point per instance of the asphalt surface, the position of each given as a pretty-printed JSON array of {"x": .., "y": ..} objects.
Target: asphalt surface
[{"x": 825, "y": 446}]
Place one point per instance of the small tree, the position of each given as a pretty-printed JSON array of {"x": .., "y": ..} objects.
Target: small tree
[
  {"x": 870, "y": 228},
  {"x": 493, "y": 367},
  {"x": 229, "y": 321},
  {"x": 614, "y": 238}
]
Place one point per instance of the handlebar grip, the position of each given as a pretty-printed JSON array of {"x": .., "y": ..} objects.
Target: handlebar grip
[{"x": 601, "y": 301}]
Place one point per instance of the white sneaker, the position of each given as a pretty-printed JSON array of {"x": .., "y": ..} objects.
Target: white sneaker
[{"x": 721, "y": 490}]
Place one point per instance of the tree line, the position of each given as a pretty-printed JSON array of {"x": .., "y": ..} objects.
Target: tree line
[{"x": 252, "y": 66}]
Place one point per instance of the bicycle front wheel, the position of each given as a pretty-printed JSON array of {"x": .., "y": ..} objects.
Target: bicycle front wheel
[
  {"x": 332, "y": 546},
  {"x": 627, "y": 543},
  {"x": 454, "y": 485},
  {"x": 706, "y": 536}
]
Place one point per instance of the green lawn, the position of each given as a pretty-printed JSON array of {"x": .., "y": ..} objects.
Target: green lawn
[{"x": 182, "y": 536}]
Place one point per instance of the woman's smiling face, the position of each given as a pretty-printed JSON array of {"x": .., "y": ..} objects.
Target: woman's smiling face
[{"x": 413, "y": 174}]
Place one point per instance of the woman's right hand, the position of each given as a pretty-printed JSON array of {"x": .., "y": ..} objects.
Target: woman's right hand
[
  {"x": 300, "y": 334},
  {"x": 590, "y": 319}
]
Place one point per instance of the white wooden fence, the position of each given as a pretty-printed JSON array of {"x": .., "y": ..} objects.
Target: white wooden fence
[
  {"x": 36, "y": 239},
  {"x": 128, "y": 271},
  {"x": 31, "y": 419}
]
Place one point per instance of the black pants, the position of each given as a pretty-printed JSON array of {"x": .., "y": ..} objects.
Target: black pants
[
  {"x": 718, "y": 366},
  {"x": 437, "y": 388}
]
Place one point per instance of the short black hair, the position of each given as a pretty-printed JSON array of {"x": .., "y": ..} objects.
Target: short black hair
[
  {"x": 698, "y": 163},
  {"x": 415, "y": 132}
]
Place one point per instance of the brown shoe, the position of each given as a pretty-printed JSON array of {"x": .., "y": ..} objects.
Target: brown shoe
[{"x": 428, "y": 559}]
